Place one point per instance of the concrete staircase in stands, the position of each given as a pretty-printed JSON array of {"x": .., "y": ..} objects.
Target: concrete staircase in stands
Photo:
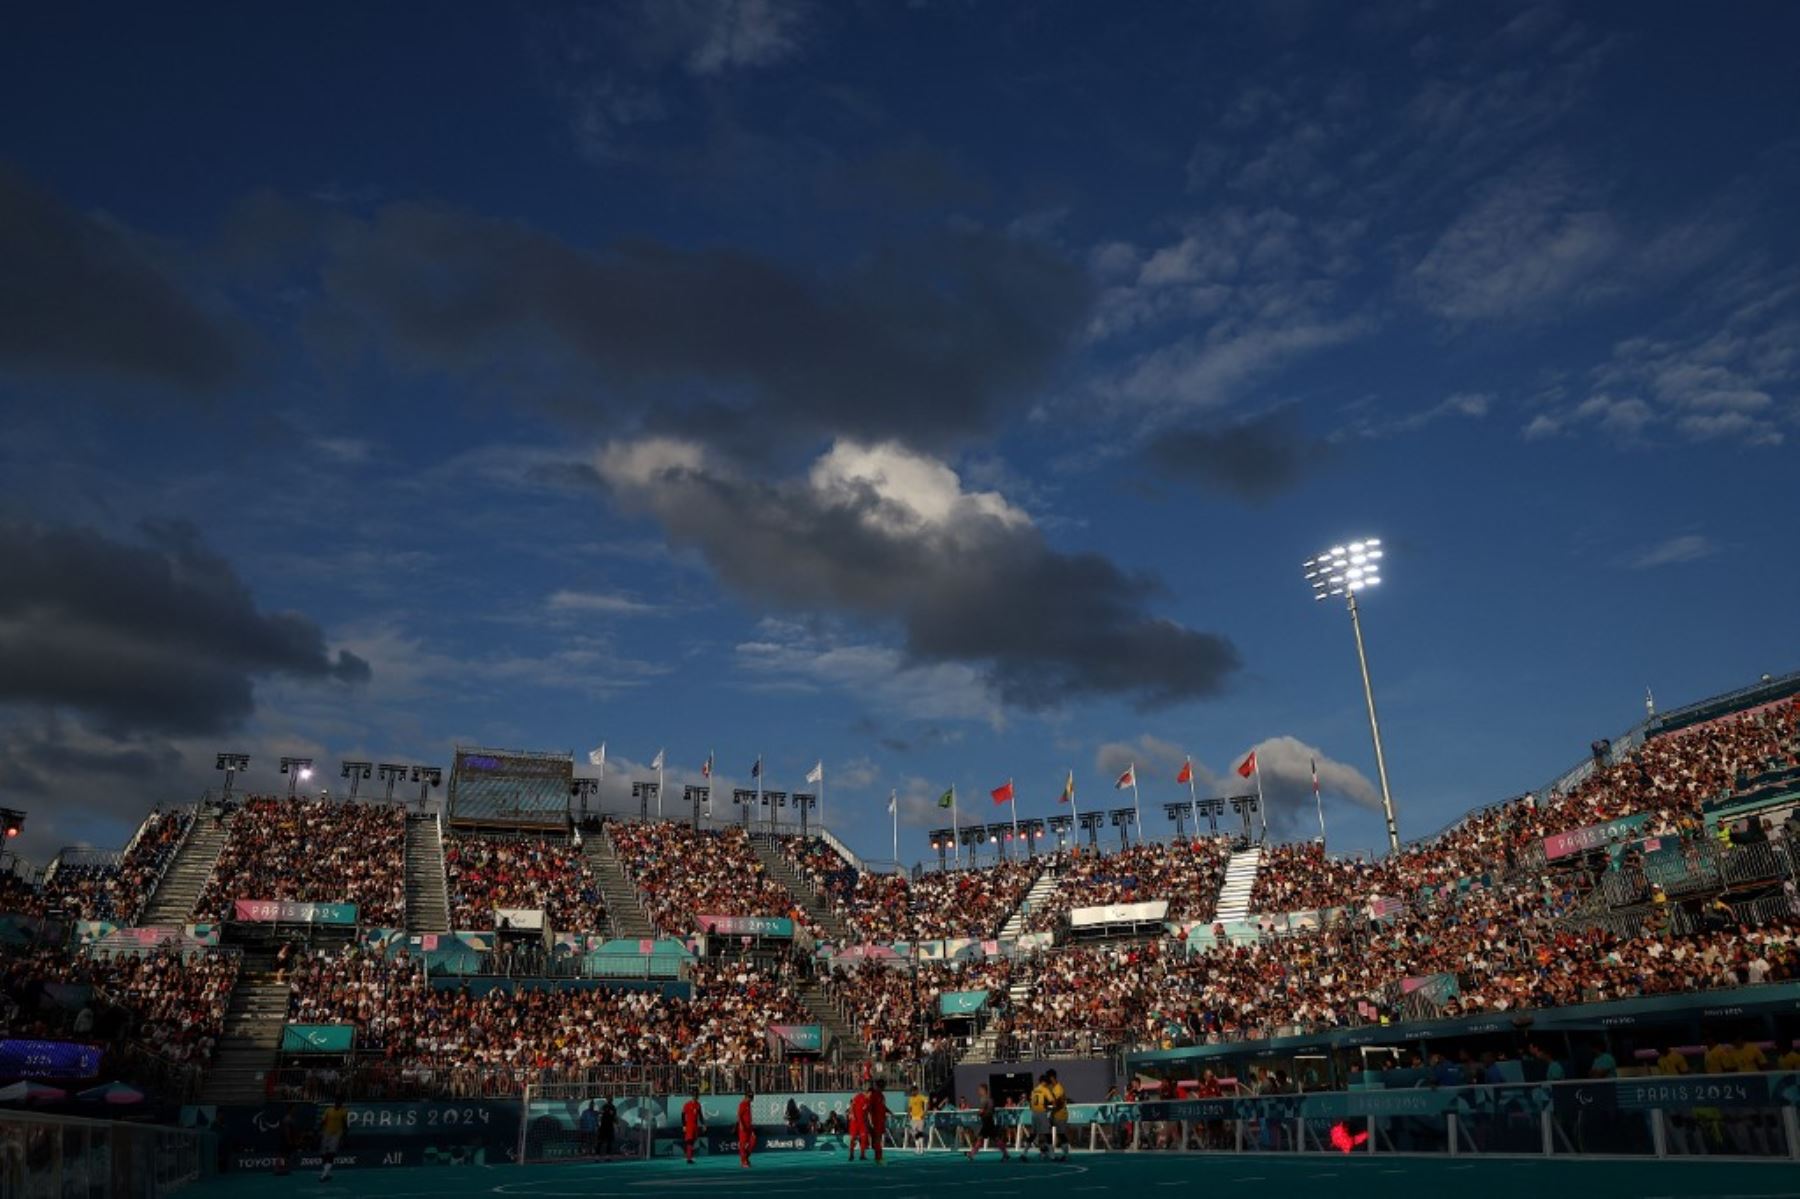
[
  {"x": 186, "y": 875},
  {"x": 251, "y": 1042},
  {"x": 838, "y": 1029},
  {"x": 985, "y": 1047},
  {"x": 1240, "y": 882},
  {"x": 624, "y": 912},
  {"x": 1042, "y": 888},
  {"x": 799, "y": 886},
  {"x": 427, "y": 895}
]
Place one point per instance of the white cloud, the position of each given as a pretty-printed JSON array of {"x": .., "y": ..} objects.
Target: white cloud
[
  {"x": 1154, "y": 758},
  {"x": 918, "y": 494},
  {"x": 1532, "y": 243},
  {"x": 1686, "y": 547},
  {"x": 729, "y": 35},
  {"x": 786, "y": 656},
  {"x": 599, "y": 603}
]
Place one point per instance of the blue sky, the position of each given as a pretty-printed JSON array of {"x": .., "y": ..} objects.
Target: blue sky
[{"x": 946, "y": 391}]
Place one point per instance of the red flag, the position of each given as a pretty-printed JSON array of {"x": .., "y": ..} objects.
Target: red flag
[
  {"x": 1003, "y": 794},
  {"x": 1128, "y": 779},
  {"x": 1187, "y": 772},
  {"x": 1247, "y": 767}
]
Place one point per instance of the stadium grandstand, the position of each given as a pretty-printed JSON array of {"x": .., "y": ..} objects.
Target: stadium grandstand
[{"x": 243, "y": 960}]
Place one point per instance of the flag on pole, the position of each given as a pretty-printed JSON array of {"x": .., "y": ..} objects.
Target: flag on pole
[
  {"x": 706, "y": 766},
  {"x": 1068, "y": 794},
  {"x": 1128, "y": 779},
  {"x": 597, "y": 757},
  {"x": 1247, "y": 767},
  {"x": 1187, "y": 771},
  {"x": 756, "y": 770},
  {"x": 893, "y": 802},
  {"x": 656, "y": 763},
  {"x": 948, "y": 798},
  {"x": 1004, "y": 793},
  {"x": 817, "y": 773},
  {"x": 1315, "y": 770}
]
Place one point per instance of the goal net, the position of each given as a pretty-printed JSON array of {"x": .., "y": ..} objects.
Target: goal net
[{"x": 569, "y": 1122}]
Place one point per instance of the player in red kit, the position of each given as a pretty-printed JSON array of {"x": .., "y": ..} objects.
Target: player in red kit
[
  {"x": 746, "y": 1131},
  {"x": 875, "y": 1111},
  {"x": 690, "y": 1125},
  {"x": 859, "y": 1124}
]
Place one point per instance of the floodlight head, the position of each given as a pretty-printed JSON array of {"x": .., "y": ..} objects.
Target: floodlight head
[{"x": 1344, "y": 569}]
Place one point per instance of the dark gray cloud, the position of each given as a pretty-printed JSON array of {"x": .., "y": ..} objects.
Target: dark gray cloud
[
  {"x": 891, "y": 537},
  {"x": 77, "y": 296},
  {"x": 154, "y": 636},
  {"x": 1253, "y": 460},
  {"x": 927, "y": 342}
]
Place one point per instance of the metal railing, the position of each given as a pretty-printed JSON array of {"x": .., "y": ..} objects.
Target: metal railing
[
  {"x": 69, "y": 1155},
  {"x": 378, "y": 1081}
]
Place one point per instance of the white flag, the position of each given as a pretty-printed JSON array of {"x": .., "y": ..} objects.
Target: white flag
[
  {"x": 893, "y": 800},
  {"x": 597, "y": 757},
  {"x": 656, "y": 763},
  {"x": 817, "y": 773}
]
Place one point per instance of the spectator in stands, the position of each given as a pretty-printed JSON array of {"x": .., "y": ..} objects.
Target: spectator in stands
[
  {"x": 533, "y": 873},
  {"x": 682, "y": 873},
  {"x": 313, "y": 850}
]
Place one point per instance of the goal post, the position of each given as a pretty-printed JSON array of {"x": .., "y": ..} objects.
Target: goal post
[{"x": 552, "y": 1127}]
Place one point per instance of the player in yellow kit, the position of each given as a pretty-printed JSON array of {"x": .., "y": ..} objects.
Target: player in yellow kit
[
  {"x": 915, "y": 1114},
  {"x": 332, "y": 1127}
]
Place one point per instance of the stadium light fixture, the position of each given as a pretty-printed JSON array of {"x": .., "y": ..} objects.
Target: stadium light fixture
[
  {"x": 1346, "y": 570},
  {"x": 391, "y": 773},
  {"x": 231, "y": 764},
  {"x": 296, "y": 769},
  {"x": 357, "y": 773},
  {"x": 427, "y": 777}
]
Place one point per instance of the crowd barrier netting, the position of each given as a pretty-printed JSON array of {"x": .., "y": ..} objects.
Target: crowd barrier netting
[{"x": 1755, "y": 1116}]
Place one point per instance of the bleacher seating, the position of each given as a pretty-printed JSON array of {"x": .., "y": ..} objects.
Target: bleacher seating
[
  {"x": 532, "y": 873},
  {"x": 316, "y": 851}
]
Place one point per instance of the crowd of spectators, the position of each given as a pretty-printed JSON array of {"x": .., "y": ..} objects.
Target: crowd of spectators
[
  {"x": 683, "y": 873},
  {"x": 116, "y": 892},
  {"x": 1188, "y": 874},
  {"x": 165, "y": 1002},
  {"x": 884, "y": 909},
  {"x": 485, "y": 873},
  {"x": 1505, "y": 948},
  {"x": 893, "y": 1005},
  {"x": 821, "y": 865},
  {"x": 506, "y": 1034},
  {"x": 312, "y": 850},
  {"x": 1667, "y": 778}
]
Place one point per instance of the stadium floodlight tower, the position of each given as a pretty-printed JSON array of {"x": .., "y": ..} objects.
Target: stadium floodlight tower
[
  {"x": 1345, "y": 570},
  {"x": 231, "y": 764},
  {"x": 298, "y": 770}
]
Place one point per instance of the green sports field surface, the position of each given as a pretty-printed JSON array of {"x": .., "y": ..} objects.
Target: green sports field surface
[{"x": 1141, "y": 1176}]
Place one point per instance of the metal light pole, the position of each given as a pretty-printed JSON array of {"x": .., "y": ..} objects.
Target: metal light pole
[{"x": 1344, "y": 570}]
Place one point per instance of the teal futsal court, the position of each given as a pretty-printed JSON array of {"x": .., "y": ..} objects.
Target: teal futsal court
[{"x": 942, "y": 1175}]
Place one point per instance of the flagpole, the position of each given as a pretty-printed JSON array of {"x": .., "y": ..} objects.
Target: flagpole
[
  {"x": 1262, "y": 808},
  {"x": 821, "y": 799},
  {"x": 660, "y": 755},
  {"x": 1320, "y": 801},
  {"x": 894, "y": 811},
  {"x": 759, "y": 783},
  {"x": 955, "y": 830},
  {"x": 1193, "y": 801},
  {"x": 1137, "y": 806},
  {"x": 1075, "y": 814},
  {"x": 1013, "y": 794}
]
